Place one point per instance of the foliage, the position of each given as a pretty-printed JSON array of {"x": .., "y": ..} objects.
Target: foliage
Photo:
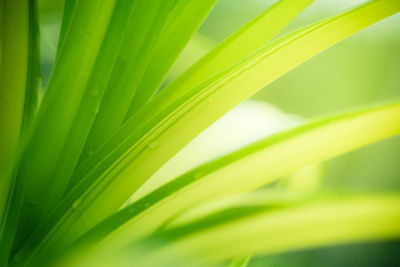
[{"x": 70, "y": 162}]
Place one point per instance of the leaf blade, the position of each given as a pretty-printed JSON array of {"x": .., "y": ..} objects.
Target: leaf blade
[
  {"x": 356, "y": 218},
  {"x": 261, "y": 163},
  {"x": 200, "y": 107},
  {"x": 19, "y": 77},
  {"x": 189, "y": 115},
  {"x": 144, "y": 31},
  {"x": 59, "y": 107},
  {"x": 246, "y": 40}
]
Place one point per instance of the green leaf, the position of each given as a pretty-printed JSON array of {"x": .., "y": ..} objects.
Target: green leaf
[
  {"x": 131, "y": 33},
  {"x": 159, "y": 130},
  {"x": 69, "y": 6},
  {"x": 61, "y": 101},
  {"x": 261, "y": 223},
  {"x": 241, "y": 262},
  {"x": 166, "y": 124},
  {"x": 33, "y": 80},
  {"x": 247, "y": 169},
  {"x": 305, "y": 224},
  {"x": 19, "y": 76},
  {"x": 137, "y": 220},
  {"x": 252, "y": 36},
  {"x": 13, "y": 80},
  {"x": 109, "y": 53},
  {"x": 144, "y": 27},
  {"x": 183, "y": 21}
]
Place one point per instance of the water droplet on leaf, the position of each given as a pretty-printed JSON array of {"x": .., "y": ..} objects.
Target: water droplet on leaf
[
  {"x": 76, "y": 204},
  {"x": 152, "y": 145}
]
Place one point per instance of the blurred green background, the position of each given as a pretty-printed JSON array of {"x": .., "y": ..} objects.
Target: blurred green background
[{"x": 359, "y": 71}]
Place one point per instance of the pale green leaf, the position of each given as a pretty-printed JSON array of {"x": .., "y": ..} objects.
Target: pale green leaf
[
  {"x": 144, "y": 28},
  {"x": 182, "y": 21},
  {"x": 58, "y": 109},
  {"x": 247, "y": 169},
  {"x": 252, "y": 36},
  {"x": 317, "y": 222},
  {"x": 166, "y": 124}
]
